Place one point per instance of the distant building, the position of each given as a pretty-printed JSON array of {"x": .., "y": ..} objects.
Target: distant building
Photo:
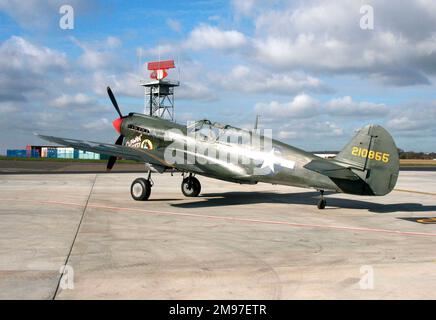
[{"x": 53, "y": 152}]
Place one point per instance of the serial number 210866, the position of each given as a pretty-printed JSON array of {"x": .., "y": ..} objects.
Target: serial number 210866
[{"x": 371, "y": 154}]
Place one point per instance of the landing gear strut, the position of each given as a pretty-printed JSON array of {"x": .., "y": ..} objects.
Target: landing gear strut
[
  {"x": 191, "y": 187},
  {"x": 141, "y": 188},
  {"x": 322, "y": 202}
]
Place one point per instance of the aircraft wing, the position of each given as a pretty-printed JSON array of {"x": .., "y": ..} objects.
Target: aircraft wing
[
  {"x": 331, "y": 169},
  {"x": 124, "y": 152}
]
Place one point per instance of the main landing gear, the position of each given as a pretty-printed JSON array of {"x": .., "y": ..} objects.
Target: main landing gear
[
  {"x": 141, "y": 187},
  {"x": 322, "y": 202},
  {"x": 191, "y": 187}
]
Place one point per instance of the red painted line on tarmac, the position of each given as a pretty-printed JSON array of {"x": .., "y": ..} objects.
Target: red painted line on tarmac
[
  {"x": 194, "y": 215},
  {"x": 417, "y": 192}
]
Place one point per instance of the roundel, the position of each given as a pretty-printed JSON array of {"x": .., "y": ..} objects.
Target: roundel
[{"x": 146, "y": 144}]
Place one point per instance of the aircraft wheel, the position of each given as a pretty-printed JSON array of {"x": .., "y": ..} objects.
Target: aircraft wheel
[
  {"x": 321, "y": 203},
  {"x": 191, "y": 188},
  {"x": 140, "y": 189}
]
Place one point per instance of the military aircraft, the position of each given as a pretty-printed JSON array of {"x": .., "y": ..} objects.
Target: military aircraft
[{"x": 368, "y": 165}]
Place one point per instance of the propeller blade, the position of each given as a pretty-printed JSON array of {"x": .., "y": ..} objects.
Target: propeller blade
[
  {"x": 113, "y": 159},
  {"x": 120, "y": 140},
  {"x": 110, "y": 163},
  {"x": 114, "y": 101}
]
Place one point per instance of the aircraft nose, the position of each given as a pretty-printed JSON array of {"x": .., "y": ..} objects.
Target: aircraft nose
[{"x": 117, "y": 124}]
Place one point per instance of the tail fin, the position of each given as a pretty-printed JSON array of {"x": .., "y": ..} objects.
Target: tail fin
[{"x": 373, "y": 155}]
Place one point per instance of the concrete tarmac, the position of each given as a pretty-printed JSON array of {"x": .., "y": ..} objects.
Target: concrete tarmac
[{"x": 232, "y": 242}]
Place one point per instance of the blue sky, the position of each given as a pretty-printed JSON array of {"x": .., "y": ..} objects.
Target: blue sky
[{"x": 307, "y": 67}]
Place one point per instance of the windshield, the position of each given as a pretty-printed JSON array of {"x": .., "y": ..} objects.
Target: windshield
[
  {"x": 205, "y": 129},
  {"x": 208, "y": 131}
]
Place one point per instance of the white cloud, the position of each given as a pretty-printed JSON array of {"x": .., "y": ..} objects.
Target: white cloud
[
  {"x": 174, "y": 25},
  {"x": 17, "y": 54},
  {"x": 31, "y": 13},
  {"x": 246, "y": 79},
  {"x": 345, "y": 106},
  {"x": 195, "y": 90},
  {"x": 71, "y": 101},
  {"x": 305, "y": 106},
  {"x": 27, "y": 69},
  {"x": 42, "y": 91},
  {"x": 418, "y": 117},
  {"x": 100, "y": 54},
  {"x": 302, "y": 106},
  {"x": 126, "y": 84},
  {"x": 113, "y": 42},
  {"x": 41, "y": 14},
  {"x": 410, "y": 124},
  {"x": 99, "y": 124},
  {"x": 315, "y": 17},
  {"x": 194, "y": 84},
  {"x": 209, "y": 37},
  {"x": 166, "y": 49},
  {"x": 215, "y": 17},
  {"x": 7, "y": 107},
  {"x": 305, "y": 51},
  {"x": 317, "y": 129},
  {"x": 404, "y": 123},
  {"x": 92, "y": 58},
  {"x": 244, "y": 7},
  {"x": 324, "y": 36}
]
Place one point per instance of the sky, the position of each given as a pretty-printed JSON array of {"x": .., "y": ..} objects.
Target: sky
[{"x": 315, "y": 71}]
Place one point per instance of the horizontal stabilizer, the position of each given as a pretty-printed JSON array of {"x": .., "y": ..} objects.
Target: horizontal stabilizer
[{"x": 331, "y": 169}]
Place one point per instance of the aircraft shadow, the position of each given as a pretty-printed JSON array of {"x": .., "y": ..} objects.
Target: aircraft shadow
[{"x": 305, "y": 198}]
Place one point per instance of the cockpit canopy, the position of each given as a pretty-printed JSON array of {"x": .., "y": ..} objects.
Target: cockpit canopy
[{"x": 210, "y": 131}]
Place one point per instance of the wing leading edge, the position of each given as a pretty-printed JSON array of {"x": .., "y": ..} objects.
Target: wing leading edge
[{"x": 124, "y": 152}]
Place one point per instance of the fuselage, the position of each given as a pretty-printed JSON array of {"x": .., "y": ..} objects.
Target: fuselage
[{"x": 223, "y": 152}]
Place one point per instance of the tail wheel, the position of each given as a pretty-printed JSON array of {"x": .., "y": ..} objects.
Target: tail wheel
[
  {"x": 321, "y": 203},
  {"x": 191, "y": 187},
  {"x": 140, "y": 189}
]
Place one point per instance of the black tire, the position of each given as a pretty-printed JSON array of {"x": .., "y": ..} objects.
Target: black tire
[
  {"x": 140, "y": 189},
  {"x": 321, "y": 204},
  {"x": 191, "y": 189}
]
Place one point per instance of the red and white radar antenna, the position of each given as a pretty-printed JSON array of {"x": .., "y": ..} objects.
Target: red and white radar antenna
[{"x": 159, "y": 69}]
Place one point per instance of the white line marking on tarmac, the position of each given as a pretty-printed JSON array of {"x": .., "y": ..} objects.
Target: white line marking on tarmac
[{"x": 194, "y": 215}]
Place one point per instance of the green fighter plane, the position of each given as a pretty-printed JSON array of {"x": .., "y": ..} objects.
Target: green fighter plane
[{"x": 368, "y": 165}]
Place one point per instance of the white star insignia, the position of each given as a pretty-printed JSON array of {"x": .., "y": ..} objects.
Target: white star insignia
[{"x": 271, "y": 158}]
